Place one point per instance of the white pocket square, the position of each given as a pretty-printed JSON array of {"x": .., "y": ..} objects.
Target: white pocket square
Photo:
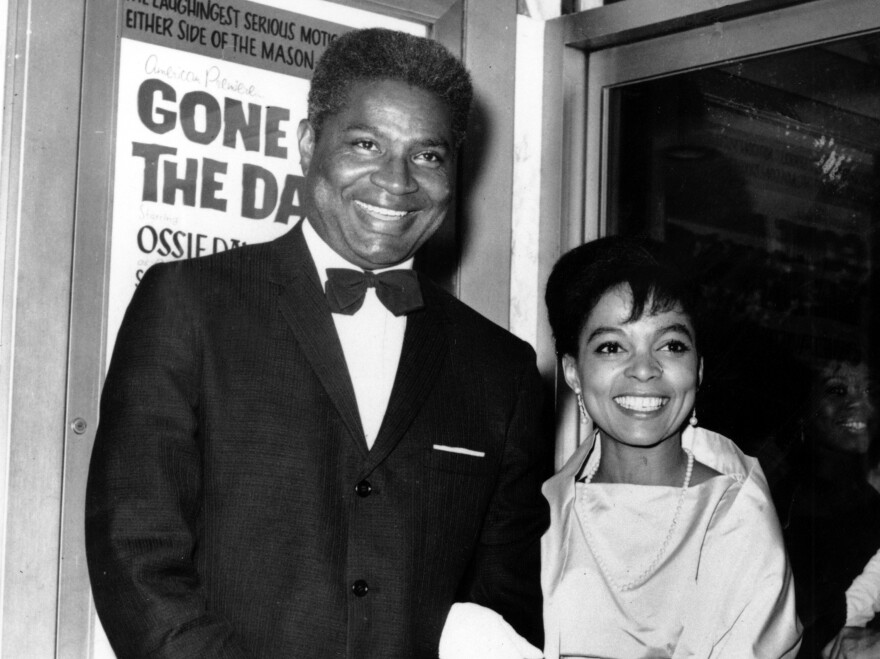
[{"x": 460, "y": 450}]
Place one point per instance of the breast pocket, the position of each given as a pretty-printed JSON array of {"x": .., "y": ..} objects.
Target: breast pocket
[{"x": 458, "y": 460}]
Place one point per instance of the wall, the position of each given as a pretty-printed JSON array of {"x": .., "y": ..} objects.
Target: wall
[{"x": 40, "y": 136}]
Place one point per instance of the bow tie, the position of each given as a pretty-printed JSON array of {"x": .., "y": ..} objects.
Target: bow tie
[{"x": 398, "y": 290}]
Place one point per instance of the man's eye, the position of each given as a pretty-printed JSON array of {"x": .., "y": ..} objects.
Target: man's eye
[
  {"x": 430, "y": 157},
  {"x": 368, "y": 145}
]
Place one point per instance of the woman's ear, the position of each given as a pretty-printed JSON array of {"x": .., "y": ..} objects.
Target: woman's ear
[
  {"x": 700, "y": 374},
  {"x": 570, "y": 372}
]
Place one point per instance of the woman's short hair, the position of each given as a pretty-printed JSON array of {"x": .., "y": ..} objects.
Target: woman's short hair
[
  {"x": 381, "y": 54},
  {"x": 583, "y": 275}
]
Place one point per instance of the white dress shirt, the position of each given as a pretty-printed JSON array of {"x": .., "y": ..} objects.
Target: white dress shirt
[{"x": 372, "y": 339}]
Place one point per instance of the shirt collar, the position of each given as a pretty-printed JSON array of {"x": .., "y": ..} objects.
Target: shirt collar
[{"x": 325, "y": 257}]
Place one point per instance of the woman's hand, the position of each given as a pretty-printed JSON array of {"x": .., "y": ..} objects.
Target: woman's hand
[{"x": 853, "y": 643}]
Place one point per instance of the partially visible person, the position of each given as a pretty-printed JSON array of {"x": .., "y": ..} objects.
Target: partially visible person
[
  {"x": 831, "y": 514},
  {"x": 305, "y": 448},
  {"x": 663, "y": 541},
  {"x": 859, "y": 638}
]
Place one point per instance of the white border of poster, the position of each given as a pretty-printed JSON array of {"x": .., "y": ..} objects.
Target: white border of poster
[{"x": 209, "y": 163}]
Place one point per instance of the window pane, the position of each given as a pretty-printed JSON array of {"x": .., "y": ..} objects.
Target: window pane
[{"x": 764, "y": 172}]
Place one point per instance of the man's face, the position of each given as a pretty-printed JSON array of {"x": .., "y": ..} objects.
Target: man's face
[{"x": 379, "y": 179}]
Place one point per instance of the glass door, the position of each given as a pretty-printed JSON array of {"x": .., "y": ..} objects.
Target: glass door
[{"x": 753, "y": 148}]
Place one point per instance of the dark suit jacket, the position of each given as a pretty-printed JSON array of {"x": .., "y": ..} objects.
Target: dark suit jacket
[{"x": 233, "y": 508}]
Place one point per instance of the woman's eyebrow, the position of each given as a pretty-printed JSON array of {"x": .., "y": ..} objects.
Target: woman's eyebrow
[
  {"x": 677, "y": 327},
  {"x": 603, "y": 330}
]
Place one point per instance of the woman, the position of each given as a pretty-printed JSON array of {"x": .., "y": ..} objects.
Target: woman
[
  {"x": 830, "y": 513},
  {"x": 663, "y": 541}
]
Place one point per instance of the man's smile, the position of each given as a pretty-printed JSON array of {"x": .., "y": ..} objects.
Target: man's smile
[{"x": 380, "y": 213}]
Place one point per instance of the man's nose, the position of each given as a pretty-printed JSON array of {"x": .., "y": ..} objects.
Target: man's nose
[{"x": 395, "y": 176}]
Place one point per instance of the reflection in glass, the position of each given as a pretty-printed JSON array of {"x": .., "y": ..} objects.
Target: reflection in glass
[{"x": 764, "y": 173}]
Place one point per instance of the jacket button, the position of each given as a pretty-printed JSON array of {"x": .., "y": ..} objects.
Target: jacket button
[
  {"x": 360, "y": 588},
  {"x": 363, "y": 488}
]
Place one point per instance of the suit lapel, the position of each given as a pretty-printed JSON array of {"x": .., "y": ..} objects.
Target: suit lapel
[
  {"x": 303, "y": 305},
  {"x": 421, "y": 359}
]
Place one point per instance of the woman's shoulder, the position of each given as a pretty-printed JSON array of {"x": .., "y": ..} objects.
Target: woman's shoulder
[
  {"x": 746, "y": 503},
  {"x": 745, "y": 510},
  {"x": 561, "y": 484},
  {"x": 703, "y": 473},
  {"x": 718, "y": 453}
]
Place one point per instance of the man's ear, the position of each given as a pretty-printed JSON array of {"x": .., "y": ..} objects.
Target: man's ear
[
  {"x": 570, "y": 372},
  {"x": 305, "y": 135}
]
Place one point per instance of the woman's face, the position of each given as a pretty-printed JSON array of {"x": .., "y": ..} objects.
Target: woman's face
[
  {"x": 843, "y": 407},
  {"x": 638, "y": 379}
]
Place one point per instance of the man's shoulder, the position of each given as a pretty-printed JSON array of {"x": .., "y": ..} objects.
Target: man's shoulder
[
  {"x": 236, "y": 257},
  {"x": 239, "y": 262},
  {"x": 471, "y": 329}
]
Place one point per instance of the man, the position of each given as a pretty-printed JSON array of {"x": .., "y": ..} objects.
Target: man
[{"x": 273, "y": 478}]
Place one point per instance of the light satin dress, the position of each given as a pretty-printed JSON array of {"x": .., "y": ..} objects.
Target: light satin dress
[{"x": 722, "y": 588}]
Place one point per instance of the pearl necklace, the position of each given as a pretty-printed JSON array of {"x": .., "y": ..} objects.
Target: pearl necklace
[{"x": 658, "y": 557}]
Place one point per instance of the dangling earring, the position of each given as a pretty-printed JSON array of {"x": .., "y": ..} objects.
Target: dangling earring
[
  {"x": 583, "y": 409},
  {"x": 693, "y": 421}
]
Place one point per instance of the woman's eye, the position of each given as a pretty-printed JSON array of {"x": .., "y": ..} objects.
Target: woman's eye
[
  {"x": 608, "y": 348},
  {"x": 836, "y": 390},
  {"x": 676, "y": 346}
]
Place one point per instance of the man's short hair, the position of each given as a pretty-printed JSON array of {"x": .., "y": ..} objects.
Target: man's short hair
[{"x": 381, "y": 54}]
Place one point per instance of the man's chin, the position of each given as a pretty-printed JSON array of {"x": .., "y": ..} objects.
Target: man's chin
[
  {"x": 379, "y": 259},
  {"x": 383, "y": 251}
]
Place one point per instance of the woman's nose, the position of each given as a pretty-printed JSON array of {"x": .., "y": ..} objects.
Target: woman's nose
[
  {"x": 861, "y": 398},
  {"x": 644, "y": 366}
]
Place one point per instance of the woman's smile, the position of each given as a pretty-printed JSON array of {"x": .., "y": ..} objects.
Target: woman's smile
[{"x": 641, "y": 403}]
